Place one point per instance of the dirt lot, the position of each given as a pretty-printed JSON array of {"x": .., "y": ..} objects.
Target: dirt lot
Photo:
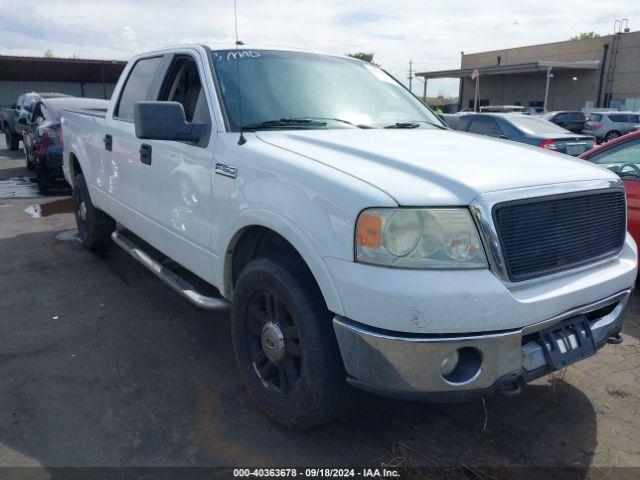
[{"x": 102, "y": 365}]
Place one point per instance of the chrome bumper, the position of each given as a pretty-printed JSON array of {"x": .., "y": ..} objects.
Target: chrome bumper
[{"x": 410, "y": 365}]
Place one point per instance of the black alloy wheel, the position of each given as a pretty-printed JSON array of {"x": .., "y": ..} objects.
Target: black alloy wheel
[{"x": 272, "y": 342}]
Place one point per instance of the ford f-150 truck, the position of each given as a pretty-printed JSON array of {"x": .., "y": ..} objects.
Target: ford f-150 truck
[{"x": 357, "y": 241}]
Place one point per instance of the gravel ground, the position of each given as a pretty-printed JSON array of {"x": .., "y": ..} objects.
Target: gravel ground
[{"x": 102, "y": 365}]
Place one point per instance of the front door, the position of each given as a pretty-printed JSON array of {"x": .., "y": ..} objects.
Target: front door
[
  {"x": 624, "y": 160},
  {"x": 181, "y": 172}
]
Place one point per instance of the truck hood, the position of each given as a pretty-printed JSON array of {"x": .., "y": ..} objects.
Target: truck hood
[{"x": 433, "y": 167}]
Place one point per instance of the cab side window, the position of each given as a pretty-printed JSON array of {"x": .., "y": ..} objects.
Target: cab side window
[
  {"x": 136, "y": 87},
  {"x": 183, "y": 84}
]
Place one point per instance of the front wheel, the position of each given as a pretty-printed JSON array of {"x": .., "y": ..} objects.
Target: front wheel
[
  {"x": 29, "y": 163},
  {"x": 285, "y": 346},
  {"x": 94, "y": 226}
]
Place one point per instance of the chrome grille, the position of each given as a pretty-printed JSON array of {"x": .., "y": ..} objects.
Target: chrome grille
[{"x": 544, "y": 235}]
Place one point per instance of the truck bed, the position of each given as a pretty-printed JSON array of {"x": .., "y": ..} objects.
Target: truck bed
[{"x": 94, "y": 112}]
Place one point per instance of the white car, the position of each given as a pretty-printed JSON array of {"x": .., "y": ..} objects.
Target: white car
[{"x": 356, "y": 239}]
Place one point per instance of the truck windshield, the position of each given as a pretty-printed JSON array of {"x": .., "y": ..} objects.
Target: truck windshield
[{"x": 341, "y": 92}]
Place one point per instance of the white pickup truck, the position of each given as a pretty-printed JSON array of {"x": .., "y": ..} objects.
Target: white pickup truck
[{"x": 357, "y": 241}]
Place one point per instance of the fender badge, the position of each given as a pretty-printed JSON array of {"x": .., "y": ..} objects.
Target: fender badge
[{"x": 226, "y": 170}]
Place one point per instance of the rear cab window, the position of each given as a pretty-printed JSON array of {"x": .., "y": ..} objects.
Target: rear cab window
[
  {"x": 485, "y": 126},
  {"x": 137, "y": 86}
]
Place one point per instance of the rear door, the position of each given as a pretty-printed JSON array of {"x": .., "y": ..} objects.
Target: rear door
[{"x": 126, "y": 177}]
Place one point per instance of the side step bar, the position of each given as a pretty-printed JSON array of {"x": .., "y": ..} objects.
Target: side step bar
[{"x": 177, "y": 283}]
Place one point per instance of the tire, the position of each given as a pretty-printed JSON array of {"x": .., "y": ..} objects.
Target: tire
[
  {"x": 611, "y": 135},
  {"x": 29, "y": 163},
  {"x": 45, "y": 183},
  {"x": 12, "y": 141},
  {"x": 94, "y": 226},
  {"x": 307, "y": 386}
]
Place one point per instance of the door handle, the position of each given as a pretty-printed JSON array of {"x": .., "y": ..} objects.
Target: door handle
[
  {"x": 108, "y": 142},
  {"x": 145, "y": 153}
]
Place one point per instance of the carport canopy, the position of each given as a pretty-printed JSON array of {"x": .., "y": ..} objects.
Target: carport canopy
[
  {"x": 531, "y": 67},
  {"x": 60, "y": 69}
]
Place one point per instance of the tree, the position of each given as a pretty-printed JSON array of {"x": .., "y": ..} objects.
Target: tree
[
  {"x": 49, "y": 54},
  {"x": 585, "y": 36},
  {"x": 364, "y": 56}
]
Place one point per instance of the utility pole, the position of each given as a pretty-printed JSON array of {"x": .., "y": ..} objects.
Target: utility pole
[
  {"x": 424, "y": 91},
  {"x": 410, "y": 77}
]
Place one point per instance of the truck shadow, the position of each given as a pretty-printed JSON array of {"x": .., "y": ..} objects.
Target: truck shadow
[{"x": 103, "y": 365}]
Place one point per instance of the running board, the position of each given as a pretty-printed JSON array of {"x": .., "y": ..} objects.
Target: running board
[{"x": 177, "y": 283}]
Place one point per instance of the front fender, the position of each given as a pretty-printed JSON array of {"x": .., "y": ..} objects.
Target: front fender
[{"x": 296, "y": 236}]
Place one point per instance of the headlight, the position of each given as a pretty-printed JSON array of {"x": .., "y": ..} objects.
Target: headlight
[{"x": 419, "y": 238}]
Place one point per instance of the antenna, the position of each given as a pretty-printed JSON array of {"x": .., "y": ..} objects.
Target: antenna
[{"x": 241, "y": 140}]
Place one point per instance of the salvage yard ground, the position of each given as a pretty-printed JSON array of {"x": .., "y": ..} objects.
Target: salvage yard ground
[{"x": 102, "y": 365}]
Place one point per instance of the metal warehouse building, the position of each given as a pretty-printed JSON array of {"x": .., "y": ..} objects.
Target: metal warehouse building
[
  {"x": 79, "y": 77},
  {"x": 602, "y": 72}
]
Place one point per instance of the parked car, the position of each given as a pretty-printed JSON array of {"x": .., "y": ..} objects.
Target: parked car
[
  {"x": 41, "y": 136},
  {"x": 526, "y": 129},
  {"x": 606, "y": 126},
  {"x": 357, "y": 241},
  {"x": 572, "y": 121},
  {"x": 622, "y": 157},
  {"x": 13, "y": 120}
]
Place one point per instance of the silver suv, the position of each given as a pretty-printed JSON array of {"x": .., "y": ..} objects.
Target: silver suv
[{"x": 609, "y": 125}]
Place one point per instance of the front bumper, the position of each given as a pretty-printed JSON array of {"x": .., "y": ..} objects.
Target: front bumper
[{"x": 409, "y": 366}]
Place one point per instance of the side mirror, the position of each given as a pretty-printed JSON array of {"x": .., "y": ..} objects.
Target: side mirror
[
  {"x": 504, "y": 137},
  {"x": 22, "y": 120},
  {"x": 165, "y": 121}
]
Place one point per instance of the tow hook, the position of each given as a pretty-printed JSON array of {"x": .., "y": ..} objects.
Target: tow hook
[
  {"x": 615, "y": 339},
  {"x": 510, "y": 389}
]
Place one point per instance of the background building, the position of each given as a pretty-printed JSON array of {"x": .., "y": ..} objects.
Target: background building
[
  {"x": 602, "y": 72},
  {"x": 79, "y": 77}
]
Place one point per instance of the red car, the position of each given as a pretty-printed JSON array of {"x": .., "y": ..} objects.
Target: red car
[{"x": 622, "y": 157}]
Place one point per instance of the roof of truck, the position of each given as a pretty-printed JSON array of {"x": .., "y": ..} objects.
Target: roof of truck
[{"x": 232, "y": 46}]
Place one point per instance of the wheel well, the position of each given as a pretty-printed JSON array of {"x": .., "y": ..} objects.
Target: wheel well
[
  {"x": 251, "y": 243},
  {"x": 74, "y": 166}
]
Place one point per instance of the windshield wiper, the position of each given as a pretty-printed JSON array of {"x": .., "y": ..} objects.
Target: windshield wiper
[
  {"x": 284, "y": 122},
  {"x": 358, "y": 125},
  {"x": 413, "y": 124},
  {"x": 299, "y": 122}
]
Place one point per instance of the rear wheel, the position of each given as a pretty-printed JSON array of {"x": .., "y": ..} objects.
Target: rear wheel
[
  {"x": 12, "y": 141},
  {"x": 611, "y": 135},
  {"x": 285, "y": 346},
  {"x": 94, "y": 226}
]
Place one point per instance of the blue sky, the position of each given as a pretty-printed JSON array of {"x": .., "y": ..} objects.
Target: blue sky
[{"x": 432, "y": 33}]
